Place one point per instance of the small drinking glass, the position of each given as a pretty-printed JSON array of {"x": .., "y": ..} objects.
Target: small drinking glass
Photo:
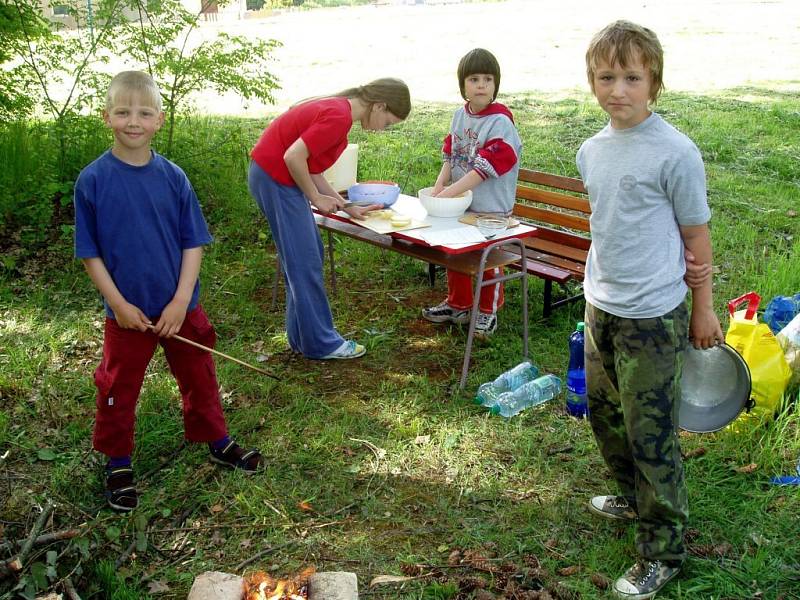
[{"x": 491, "y": 225}]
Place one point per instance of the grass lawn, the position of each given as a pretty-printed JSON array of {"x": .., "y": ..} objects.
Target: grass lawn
[{"x": 380, "y": 466}]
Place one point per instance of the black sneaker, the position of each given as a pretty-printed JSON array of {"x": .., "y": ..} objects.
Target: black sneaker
[
  {"x": 444, "y": 313},
  {"x": 613, "y": 507},
  {"x": 120, "y": 491},
  {"x": 644, "y": 579},
  {"x": 485, "y": 324}
]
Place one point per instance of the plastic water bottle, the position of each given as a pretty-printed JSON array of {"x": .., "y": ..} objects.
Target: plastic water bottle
[
  {"x": 533, "y": 393},
  {"x": 506, "y": 382},
  {"x": 577, "y": 404}
]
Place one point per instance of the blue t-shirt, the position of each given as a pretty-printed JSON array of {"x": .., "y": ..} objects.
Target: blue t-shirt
[{"x": 139, "y": 220}]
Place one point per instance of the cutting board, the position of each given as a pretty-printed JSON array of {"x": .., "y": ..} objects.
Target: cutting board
[
  {"x": 379, "y": 225},
  {"x": 471, "y": 218}
]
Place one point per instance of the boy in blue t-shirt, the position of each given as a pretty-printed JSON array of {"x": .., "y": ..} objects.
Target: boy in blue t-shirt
[{"x": 139, "y": 231}]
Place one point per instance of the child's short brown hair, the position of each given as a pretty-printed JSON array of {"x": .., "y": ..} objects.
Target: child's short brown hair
[
  {"x": 478, "y": 61},
  {"x": 619, "y": 42},
  {"x": 128, "y": 82}
]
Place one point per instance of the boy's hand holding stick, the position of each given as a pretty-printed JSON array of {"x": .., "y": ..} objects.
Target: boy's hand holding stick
[{"x": 218, "y": 353}]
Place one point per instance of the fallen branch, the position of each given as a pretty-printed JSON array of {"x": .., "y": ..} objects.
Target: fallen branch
[
  {"x": 165, "y": 462},
  {"x": 47, "y": 538},
  {"x": 262, "y": 554},
  {"x": 123, "y": 558},
  {"x": 16, "y": 564},
  {"x": 70, "y": 591}
]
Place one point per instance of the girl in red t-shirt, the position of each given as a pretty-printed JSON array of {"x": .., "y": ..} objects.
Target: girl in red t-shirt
[{"x": 286, "y": 175}]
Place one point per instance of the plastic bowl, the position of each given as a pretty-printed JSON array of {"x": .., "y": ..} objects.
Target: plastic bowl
[
  {"x": 383, "y": 193},
  {"x": 491, "y": 225},
  {"x": 444, "y": 207}
]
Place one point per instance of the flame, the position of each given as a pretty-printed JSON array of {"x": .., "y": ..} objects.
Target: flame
[{"x": 260, "y": 586}]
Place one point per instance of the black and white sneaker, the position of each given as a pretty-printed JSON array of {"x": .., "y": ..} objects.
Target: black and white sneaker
[
  {"x": 613, "y": 507},
  {"x": 644, "y": 579},
  {"x": 485, "y": 324},
  {"x": 444, "y": 313}
]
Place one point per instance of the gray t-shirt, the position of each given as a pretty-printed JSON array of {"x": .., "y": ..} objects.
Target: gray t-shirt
[
  {"x": 489, "y": 143},
  {"x": 643, "y": 183}
]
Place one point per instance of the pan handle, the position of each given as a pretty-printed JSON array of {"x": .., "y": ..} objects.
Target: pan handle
[{"x": 752, "y": 299}]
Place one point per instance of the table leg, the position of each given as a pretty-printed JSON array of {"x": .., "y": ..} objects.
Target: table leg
[
  {"x": 331, "y": 263},
  {"x": 479, "y": 284}
]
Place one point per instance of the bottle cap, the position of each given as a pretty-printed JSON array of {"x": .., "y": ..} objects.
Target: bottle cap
[{"x": 580, "y": 326}]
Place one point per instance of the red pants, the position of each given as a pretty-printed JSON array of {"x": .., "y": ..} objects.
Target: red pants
[
  {"x": 459, "y": 291},
  {"x": 126, "y": 354}
]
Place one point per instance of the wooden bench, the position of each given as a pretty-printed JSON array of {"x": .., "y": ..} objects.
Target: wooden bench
[{"x": 559, "y": 207}]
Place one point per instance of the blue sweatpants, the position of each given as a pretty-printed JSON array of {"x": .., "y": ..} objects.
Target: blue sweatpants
[{"x": 309, "y": 323}]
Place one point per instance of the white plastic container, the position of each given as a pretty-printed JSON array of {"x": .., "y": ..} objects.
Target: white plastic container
[
  {"x": 342, "y": 173},
  {"x": 444, "y": 207}
]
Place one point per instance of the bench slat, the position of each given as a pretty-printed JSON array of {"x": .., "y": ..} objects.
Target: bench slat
[
  {"x": 555, "y": 181},
  {"x": 574, "y": 268},
  {"x": 549, "y": 216},
  {"x": 562, "y": 237},
  {"x": 554, "y": 199},
  {"x": 543, "y": 270},
  {"x": 556, "y": 249}
]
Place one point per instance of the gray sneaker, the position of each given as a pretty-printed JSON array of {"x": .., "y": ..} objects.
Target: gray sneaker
[
  {"x": 444, "y": 313},
  {"x": 485, "y": 324},
  {"x": 644, "y": 579},
  {"x": 613, "y": 507}
]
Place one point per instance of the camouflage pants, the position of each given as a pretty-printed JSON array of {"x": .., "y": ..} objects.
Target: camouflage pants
[{"x": 633, "y": 370}]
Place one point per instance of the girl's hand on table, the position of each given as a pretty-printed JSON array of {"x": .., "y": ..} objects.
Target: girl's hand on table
[{"x": 360, "y": 212}]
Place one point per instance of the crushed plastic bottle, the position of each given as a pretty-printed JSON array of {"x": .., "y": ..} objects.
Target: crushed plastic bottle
[
  {"x": 780, "y": 311},
  {"x": 489, "y": 392},
  {"x": 533, "y": 393}
]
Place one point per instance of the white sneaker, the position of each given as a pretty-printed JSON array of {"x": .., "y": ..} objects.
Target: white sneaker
[
  {"x": 444, "y": 313},
  {"x": 348, "y": 349}
]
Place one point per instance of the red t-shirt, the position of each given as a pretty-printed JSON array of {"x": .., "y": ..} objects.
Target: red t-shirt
[{"x": 323, "y": 125}]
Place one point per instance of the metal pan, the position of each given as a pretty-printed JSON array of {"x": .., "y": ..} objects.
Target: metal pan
[{"x": 715, "y": 388}]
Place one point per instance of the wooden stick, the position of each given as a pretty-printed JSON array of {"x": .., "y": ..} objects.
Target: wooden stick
[
  {"x": 222, "y": 354},
  {"x": 17, "y": 563},
  {"x": 70, "y": 591},
  {"x": 46, "y": 538},
  {"x": 262, "y": 554}
]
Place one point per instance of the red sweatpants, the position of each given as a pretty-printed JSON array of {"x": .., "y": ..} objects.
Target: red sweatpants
[
  {"x": 459, "y": 291},
  {"x": 126, "y": 354}
]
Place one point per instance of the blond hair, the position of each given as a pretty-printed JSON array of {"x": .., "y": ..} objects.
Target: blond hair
[
  {"x": 388, "y": 90},
  {"x": 623, "y": 42},
  {"x": 130, "y": 82}
]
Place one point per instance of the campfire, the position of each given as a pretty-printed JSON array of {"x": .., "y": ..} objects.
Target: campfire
[{"x": 260, "y": 586}]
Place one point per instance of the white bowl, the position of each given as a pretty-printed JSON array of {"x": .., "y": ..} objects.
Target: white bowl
[{"x": 444, "y": 207}]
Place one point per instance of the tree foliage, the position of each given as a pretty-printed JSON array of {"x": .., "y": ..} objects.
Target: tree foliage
[
  {"x": 19, "y": 23},
  {"x": 162, "y": 39}
]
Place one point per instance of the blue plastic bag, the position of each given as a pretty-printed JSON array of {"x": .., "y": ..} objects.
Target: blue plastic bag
[{"x": 781, "y": 310}]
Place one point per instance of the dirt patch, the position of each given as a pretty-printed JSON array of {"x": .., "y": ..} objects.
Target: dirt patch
[{"x": 708, "y": 44}]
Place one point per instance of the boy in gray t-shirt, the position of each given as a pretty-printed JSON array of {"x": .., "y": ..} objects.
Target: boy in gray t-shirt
[{"x": 647, "y": 191}]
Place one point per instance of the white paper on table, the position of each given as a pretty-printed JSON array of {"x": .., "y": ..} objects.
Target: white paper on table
[
  {"x": 453, "y": 237},
  {"x": 409, "y": 207}
]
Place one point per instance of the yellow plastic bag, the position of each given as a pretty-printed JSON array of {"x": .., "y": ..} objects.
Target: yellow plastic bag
[{"x": 769, "y": 371}]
